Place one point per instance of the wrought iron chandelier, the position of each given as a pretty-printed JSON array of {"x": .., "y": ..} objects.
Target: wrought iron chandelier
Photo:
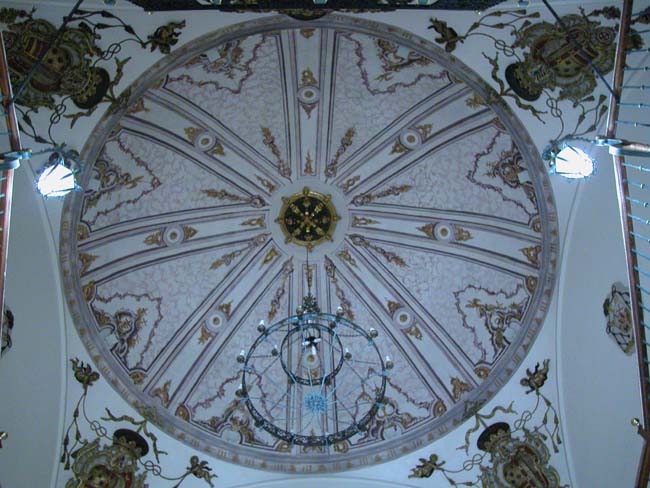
[{"x": 314, "y": 378}]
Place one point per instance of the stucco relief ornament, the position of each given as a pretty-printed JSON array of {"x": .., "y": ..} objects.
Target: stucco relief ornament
[{"x": 618, "y": 313}]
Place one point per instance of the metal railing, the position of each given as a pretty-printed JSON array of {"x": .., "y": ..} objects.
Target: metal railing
[
  {"x": 9, "y": 130},
  {"x": 629, "y": 119}
]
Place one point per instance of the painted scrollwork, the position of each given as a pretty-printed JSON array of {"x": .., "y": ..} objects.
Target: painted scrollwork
[
  {"x": 513, "y": 451},
  {"x": 545, "y": 63},
  {"x": 117, "y": 459},
  {"x": 76, "y": 69}
]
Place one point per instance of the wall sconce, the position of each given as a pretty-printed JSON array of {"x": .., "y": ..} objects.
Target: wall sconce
[
  {"x": 57, "y": 177},
  {"x": 568, "y": 160}
]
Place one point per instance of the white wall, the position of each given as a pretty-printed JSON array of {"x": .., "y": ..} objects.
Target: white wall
[
  {"x": 599, "y": 383},
  {"x": 32, "y": 379}
]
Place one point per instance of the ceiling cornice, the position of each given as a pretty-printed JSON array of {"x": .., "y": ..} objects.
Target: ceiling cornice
[{"x": 311, "y": 6}]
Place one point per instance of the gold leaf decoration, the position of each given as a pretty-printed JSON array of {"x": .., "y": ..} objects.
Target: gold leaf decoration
[
  {"x": 346, "y": 305},
  {"x": 308, "y": 165},
  {"x": 461, "y": 234},
  {"x": 482, "y": 372},
  {"x": 393, "y": 306},
  {"x": 255, "y": 201},
  {"x": 163, "y": 393},
  {"x": 346, "y": 141},
  {"x": 390, "y": 257},
  {"x": 192, "y": 132},
  {"x": 427, "y": 230},
  {"x": 349, "y": 183},
  {"x": 439, "y": 408},
  {"x": 532, "y": 254},
  {"x": 287, "y": 270},
  {"x": 86, "y": 260},
  {"x": 345, "y": 256},
  {"x": 308, "y": 78},
  {"x": 205, "y": 336},
  {"x": 475, "y": 101},
  {"x": 458, "y": 388},
  {"x": 82, "y": 232},
  {"x": 183, "y": 412},
  {"x": 307, "y": 33},
  {"x": 228, "y": 258},
  {"x": 398, "y": 148},
  {"x": 254, "y": 222},
  {"x": 270, "y": 187},
  {"x": 361, "y": 221},
  {"x": 424, "y": 130},
  {"x": 371, "y": 197},
  {"x": 88, "y": 291},
  {"x": 226, "y": 308},
  {"x": 154, "y": 239},
  {"x": 270, "y": 256},
  {"x": 269, "y": 141},
  {"x": 137, "y": 377},
  {"x": 137, "y": 107},
  {"x": 189, "y": 232},
  {"x": 531, "y": 284},
  {"x": 414, "y": 331},
  {"x": 218, "y": 150}
]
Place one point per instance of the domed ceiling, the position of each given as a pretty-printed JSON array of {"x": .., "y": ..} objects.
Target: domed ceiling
[{"x": 436, "y": 226}]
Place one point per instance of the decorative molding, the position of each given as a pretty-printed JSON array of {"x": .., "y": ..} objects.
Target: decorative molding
[
  {"x": 390, "y": 257},
  {"x": 346, "y": 142},
  {"x": 269, "y": 141},
  {"x": 254, "y": 222},
  {"x": 367, "y": 198},
  {"x": 270, "y": 256}
]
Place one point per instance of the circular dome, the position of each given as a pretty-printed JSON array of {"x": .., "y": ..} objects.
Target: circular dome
[{"x": 435, "y": 225}]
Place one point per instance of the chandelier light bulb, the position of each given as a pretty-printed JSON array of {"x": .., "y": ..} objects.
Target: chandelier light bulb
[
  {"x": 241, "y": 357},
  {"x": 389, "y": 363},
  {"x": 56, "y": 179},
  {"x": 373, "y": 332},
  {"x": 311, "y": 358},
  {"x": 261, "y": 327}
]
